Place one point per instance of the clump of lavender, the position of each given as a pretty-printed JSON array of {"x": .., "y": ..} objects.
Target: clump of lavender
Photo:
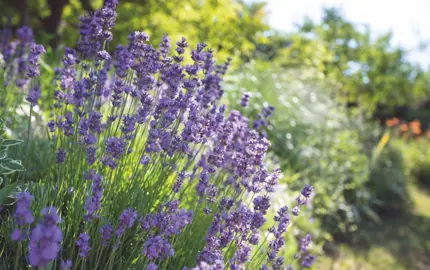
[
  {"x": 45, "y": 239},
  {"x": 176, "y": 159},
  {"x": 166, "y": 223},
  {"x": 23, "y": 215}
]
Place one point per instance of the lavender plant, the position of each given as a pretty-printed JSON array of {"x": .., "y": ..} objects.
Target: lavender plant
[{"x": 147, "y": 169}]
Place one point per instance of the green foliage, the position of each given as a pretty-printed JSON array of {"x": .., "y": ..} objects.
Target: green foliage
[
  {"x": 231, "y": 26},
  {"x": 371, "y": 72},
  {"x": 7, "y": 165},
  {"x": 322, "y": 143},
  {"x": 388, "y": 182},
  {"x": 417, "y": 160},
  {"x": 312, "y": 137}
]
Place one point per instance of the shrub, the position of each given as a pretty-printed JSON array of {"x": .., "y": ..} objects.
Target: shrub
[
  {"x": 312, "y": 137},
  {"x": 145, "y": 168},
  {"x": 322, "y": 143},
  {"x": 388, "y": 183}
]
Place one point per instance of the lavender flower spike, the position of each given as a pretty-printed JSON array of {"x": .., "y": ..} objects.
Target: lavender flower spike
[
  {"x": 45, "y": 239},
  {"x": 23, "y": 215}
]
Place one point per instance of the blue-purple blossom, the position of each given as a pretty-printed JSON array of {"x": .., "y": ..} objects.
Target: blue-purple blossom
[
  {"x": 106, "y": 234},
  {"x": 51, "y": 126},
  {"x": 261, "y": 203},
  {"x": 91, "y": 155},
  {"x": 115, "y": 147},
  {"x": 61, "y": 156},
  {"x": 179, "y": 181},
  {"x": 126, "y": 220},
  {"x": 152, "y": 266},
  {"x": 177, "y": 106},
  {"x": 295, "y": 211},
  {"x": 23, "y": 215},
  {"x": 45, "y": 239},
  {"x": 245, "y": 100},
  {"x": 94, "y": 121},
  {"x": 83, "y": 243},
  {"x": 308, "y": 261},
  {"x": 33, "y": 60},
  {"x": 66, "y": 265},
  {"x": 103, "y": 55},
  {"x": 157, "y": 247},
  {"x": 25, "y": 34},
  {"x": 307, "y": 191},
  {"x": 33, "y": 95},
  {"x": 304, "y": 243},
  {"x": 93, "y": 203}
]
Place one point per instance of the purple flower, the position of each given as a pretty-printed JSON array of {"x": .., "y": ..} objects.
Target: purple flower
[
  {"x": 126, "y": 220},
  {"x": 304, "y": 243},
  {"x": 33, "y": 58},
  {"x": 157, "y": 247},
  {"x": 307, "y": 191},
  {"x": 115, "y": 147},
  {"x": 181, "y": 45},
  {"x": 66, "y": 265},
  {"x": 91, "y": 155},
  {"x": 165, "y": 46},
  {"x": 241, "y": 256},
  {"x": 83, "y": 243},
  {"x": 95, "y": 29},
  {"x": 245, "y": 100},
  {"x": 295, "y": 211},
  {"x": 61, "y": 156},
  {"x": 23, "y": 215},
  {"x": 152, "y": 266},
  {"x": 94, "y": 122},
  {"x": 33, "y": 95},
  {"x": 308, "y": 260},
  {"x": 25, "y": 34},
  {"x": 51, "y": 126},
  {"x": 145, "y": 160},
  {"x": 179, "y": 181},
  {"x": 254, "y": 239},
  {"x": 262, "y": 203},
  {"x": 93, "y": 203},
  {"x": 45, "y": 239},
  {"x": 103, "y": 55},
  {"x": 169, "y": 220},
  {"x": 106, "y": 234}
]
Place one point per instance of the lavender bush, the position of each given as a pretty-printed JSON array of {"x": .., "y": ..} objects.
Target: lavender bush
[{"x": 146, "y": 170}]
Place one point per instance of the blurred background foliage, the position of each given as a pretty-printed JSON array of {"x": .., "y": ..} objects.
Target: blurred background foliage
[{"x": 333, "y": 84}]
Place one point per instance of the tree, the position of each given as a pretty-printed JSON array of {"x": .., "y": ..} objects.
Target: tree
[
  {"x": 372, "y": 73},
  {"x": 228, "y": 26}
]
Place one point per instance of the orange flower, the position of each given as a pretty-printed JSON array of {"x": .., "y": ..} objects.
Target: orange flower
[
  {"x": 392, "y": 122},
  {"x": 416, "y": 127},
  {"x": 404, "y": 127}
]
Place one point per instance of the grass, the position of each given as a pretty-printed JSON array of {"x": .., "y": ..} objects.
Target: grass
[{"x": 401, "y": 242}]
